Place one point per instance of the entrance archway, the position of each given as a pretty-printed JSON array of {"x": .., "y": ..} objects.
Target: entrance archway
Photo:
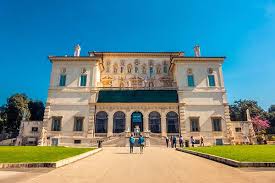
[
  {"x": 119, "y": 122},
  {"x": 101, "y": 122},
  {"x": 154, "y": 122},
  {"x": 137, "y": 120},
  {"x": 172, "y": 121}
]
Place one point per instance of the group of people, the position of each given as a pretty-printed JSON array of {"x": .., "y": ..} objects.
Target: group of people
[
  {"x": 173, "y": 141},
  {"x": 141, "y": 143}
]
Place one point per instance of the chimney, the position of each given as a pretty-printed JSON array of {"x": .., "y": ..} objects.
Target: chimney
[
  {"x": 197, "y": 51},
  {"x": 77, "y": 50}
]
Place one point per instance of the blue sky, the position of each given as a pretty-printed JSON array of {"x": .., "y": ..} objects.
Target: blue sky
[{"x": 243, "y": 31}]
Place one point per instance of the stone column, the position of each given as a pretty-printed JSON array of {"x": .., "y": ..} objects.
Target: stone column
[
  {"x": 163, "y": 123},
  {"x": 110, "y": 125}
]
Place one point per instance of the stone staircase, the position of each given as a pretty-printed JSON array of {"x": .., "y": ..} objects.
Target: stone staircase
[
  {"x": 157, "y": 140},
  {"x": 115, "y": 142},
  {"x": 121, "y": 140}
]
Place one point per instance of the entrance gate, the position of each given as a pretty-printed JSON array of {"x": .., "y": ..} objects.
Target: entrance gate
[{"x": 137, "y": 120}]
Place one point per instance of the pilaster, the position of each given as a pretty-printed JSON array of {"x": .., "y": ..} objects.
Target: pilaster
[
  {"x": 128, "y": 121},
  {"x": 163, "y": 124},
  {"x": 110, "y": 125},
  {"x": 91, "y": 120},
  {"x": 146, "y": 121},
  {"x": 182, "y": 120},
  {"x": 229, "y": 132}
]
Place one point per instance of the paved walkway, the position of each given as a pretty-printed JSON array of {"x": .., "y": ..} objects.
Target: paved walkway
[{"x": 156, "y": 165}]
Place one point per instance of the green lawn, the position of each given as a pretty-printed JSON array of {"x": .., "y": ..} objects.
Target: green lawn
[
  {"x": 249, "y": 153},
  {"x": 19, "y": 154}
]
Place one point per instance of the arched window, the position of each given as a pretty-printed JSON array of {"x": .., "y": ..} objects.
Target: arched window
[
  {"x": 172, "y": 122},
  {"x": 119, "y": 122},
  {"x": 154, "y": 122},
  {"x": 101, "y": 122}
]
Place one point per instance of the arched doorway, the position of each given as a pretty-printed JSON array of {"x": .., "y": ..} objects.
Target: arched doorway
[
  {"x": 154, "y": 122},
  {"x": 119, "y": 122},
  {"x": 136, "y": 120},
  {"x": 172, "y": 122},
  {"x": 101, "y": 122}
]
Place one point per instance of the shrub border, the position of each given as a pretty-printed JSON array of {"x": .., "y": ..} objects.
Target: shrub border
[
  {"x": 227, "y": 161},
  {"x": 55, "y": 164}
]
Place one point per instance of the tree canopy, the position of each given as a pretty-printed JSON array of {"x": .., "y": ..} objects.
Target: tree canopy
[
  {"x": 238, "y": 110},
  {"x": 271, "y": 108},
  {"x": 19, "y": 107}
]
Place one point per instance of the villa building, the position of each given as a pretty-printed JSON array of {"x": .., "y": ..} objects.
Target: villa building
[{"x": 108, "y": 94}]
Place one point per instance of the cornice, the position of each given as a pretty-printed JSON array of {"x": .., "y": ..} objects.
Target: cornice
[
  {"x": 136, "y": 54},
  {"x": 71, "y": 58},
  {"x": 184, "y": 59}
]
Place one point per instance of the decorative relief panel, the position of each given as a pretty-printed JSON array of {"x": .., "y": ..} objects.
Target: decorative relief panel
[{"x": 136, "y": 73}]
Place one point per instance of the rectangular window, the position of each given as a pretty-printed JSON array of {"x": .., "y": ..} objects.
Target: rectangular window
[
  {"x": 62, "y": 81},
  {"x": 238, "y": 129},
  {"x": 83, "y": 80},
  {"x": 194, "y": 125},
  {"x": 78, "y": 123},
  {"x": 190, "y": 80},
  {"x": 34, "y": 129},
  {"x": 211, "y": 80},
  {"x": 77, "y": 141},
  {"x": 216, "y": 123},
  {"x": 56, "y": 124}
]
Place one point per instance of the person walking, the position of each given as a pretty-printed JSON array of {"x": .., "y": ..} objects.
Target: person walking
[
  {"x": 175, "y": 141},
  {"x": 141, "y": 143},
  {"x": 181, "y": 141},
  {"x": 171, "y": 141},
  {"x": 202, "y": 143},
  {"x": 132, "y": 143},
  {"x": 167, "y": 141},
  {"x": 192, "y": 141}
]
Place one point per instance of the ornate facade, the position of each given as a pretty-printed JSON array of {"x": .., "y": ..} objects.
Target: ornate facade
[{"x": 107, "y": 94}]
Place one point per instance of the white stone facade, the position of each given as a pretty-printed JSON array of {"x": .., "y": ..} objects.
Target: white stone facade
[{"x": 199, "y": 101}]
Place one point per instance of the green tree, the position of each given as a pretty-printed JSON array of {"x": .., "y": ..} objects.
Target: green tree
[
  {"x": 36, "y": 108},
  {"x": 16, "y": 110},
  {"x": 3, "y": 118},
  {"x": 271, "y": 116},
  {"x": 238, "y": 110},
  {"x": 271, "y": 109}
]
